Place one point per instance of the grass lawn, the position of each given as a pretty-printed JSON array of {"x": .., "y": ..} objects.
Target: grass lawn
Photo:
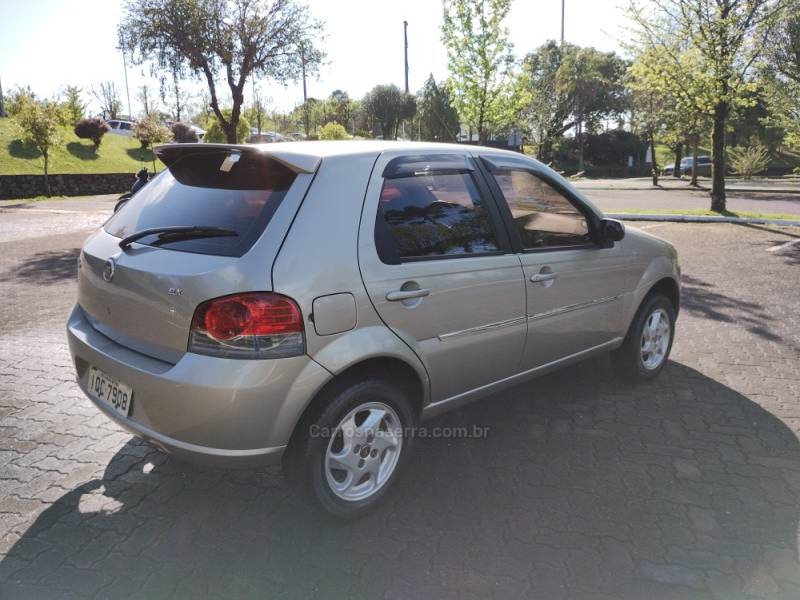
[
  {"x": 702, "y": 212},
  {"x": 117, "y": 154}
]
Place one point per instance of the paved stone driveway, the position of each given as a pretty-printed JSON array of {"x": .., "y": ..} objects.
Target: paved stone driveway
[{"x": 585, "y": 487}]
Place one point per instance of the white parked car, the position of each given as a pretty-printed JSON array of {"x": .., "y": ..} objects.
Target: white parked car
[{"x": 121, "y": 127}]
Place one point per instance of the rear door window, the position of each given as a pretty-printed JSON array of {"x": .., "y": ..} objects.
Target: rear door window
[
  {"x": 435, "y": 214},
  {"x": 195, "y": 191}
]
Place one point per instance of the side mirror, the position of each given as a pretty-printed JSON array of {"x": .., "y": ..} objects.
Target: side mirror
[{"x": 611, "y": 230}]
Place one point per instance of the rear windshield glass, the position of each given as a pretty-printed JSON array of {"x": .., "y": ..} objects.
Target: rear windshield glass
[{"x": 194, "y": 191}]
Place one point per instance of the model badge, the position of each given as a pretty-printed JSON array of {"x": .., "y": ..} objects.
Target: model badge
[
  {"x": 108, "y": 270},
  {"x": 175, "y": 291}
]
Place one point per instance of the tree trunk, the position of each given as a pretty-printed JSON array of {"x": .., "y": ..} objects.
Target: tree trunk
[
  {"x": 695, "y": 144},
  {"x": 653, "y": 164},
  {"x": 579, "y": 139},
  {"x": 718, "y": 158},
  {"x": 46, "y": 179},
  {"x": 676, "y": 169}
]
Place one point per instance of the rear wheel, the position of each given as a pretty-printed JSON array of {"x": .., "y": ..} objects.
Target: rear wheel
[
  {"x": 352, "y": 454},
  {"x": 649, "y": 340}
]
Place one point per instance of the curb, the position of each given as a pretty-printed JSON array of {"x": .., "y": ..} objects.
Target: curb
[
  {"x": 702, "y": 219},
  {"x": 686, "y": 189}
]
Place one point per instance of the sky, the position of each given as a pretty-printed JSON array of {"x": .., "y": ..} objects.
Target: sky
[{"x": 47, "y": 44}]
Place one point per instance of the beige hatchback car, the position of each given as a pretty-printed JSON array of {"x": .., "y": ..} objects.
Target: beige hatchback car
[{"x": 311, "y": 302}]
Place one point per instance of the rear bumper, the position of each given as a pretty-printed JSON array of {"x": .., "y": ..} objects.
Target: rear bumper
[{"x": 219, "y": 411}]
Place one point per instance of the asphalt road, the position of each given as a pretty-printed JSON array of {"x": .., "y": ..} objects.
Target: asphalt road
[{"x": 584, "y": 488}]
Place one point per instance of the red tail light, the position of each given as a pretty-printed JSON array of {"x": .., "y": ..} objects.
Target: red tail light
[{"x": 251, "y": 325}]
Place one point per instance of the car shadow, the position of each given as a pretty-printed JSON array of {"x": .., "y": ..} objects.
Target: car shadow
[
  {"x": 49, "y": 267},
  {"x": 706, "y": 300},
  {"x": 578, "y": 487},
  {"x": 83, "y": 151}
]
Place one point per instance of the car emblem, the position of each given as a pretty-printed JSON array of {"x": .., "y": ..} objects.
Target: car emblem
[{"x": 108, "y": 270}]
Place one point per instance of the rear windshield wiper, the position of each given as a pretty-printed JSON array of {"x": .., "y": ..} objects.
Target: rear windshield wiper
[{"x": 177, "y": 232}]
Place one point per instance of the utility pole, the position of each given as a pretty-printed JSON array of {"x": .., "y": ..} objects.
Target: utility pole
[
  {"x": 127, "y": 91},
  {"x": 305, "y": 90},
  {"x": 2, "y": 106},
  {"x": 405, "y": 40},
  {"x": 562, "y": 21}
]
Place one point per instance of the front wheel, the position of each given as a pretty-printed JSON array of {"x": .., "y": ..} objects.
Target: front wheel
[
  {"x": 649, "y": 340},
  {"x": 353, "y": 453}
]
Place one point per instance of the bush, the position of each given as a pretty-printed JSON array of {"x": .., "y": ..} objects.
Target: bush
[
  {"x": 183, "y": 133},
  {"x": 749, "y": 160},
  {"x": 333, "y": 131},
  {"x": 150, "y": 131},
  {"x": 215, "y": 133},
  {"x": 92, "y": 129}
]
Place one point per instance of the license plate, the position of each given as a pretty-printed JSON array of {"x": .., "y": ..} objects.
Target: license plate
[{"x": 110, "y": 391}]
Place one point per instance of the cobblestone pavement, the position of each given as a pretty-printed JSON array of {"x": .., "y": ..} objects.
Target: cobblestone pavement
[{"x": 585, "y": 487}]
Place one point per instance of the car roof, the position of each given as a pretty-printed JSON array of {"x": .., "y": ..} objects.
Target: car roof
[{"x": 304, "y": 156}]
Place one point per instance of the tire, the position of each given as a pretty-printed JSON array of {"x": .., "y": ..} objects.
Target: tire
[
  {"x": 632, "y": 360},
  {"x": 378, "y": 414}
]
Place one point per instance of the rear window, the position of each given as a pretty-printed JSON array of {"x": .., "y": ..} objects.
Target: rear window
[{"x": 194, "y": 191}]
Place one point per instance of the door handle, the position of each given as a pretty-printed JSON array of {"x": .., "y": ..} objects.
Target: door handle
[
  {"x": 543, "y": 277},
  {"x": 399, "y": 295}
]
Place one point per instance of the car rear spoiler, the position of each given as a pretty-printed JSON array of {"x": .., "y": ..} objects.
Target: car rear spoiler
[{"x": 296, "y": 161}]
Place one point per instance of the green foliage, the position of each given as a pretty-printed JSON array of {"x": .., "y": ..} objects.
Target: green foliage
[
  {"x": 437, "y": 120},
  {"x": 150, "y": 132},
  {"x": 333, "y": 131},
  {"x": 38, "y": 123},
  {"x": 229, "y": 40},
  {"x": 73, "y": 106},
  {"x": 92, "y": 129},
  {"x": 18, "y": 100},
  {"x": 216, "y": 134},
  {"x": 749, "y": 160},
  {"x": 480, "y": 61},
  {"x": 388, "y": 107}
]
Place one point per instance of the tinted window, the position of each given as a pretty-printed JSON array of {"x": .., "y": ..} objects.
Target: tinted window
[
  {"x": 435, "y": 215},
  {"x": 124, "y": 125},
  {"x": 194, "y": 191},
  {"x": 543, "y": 216}
]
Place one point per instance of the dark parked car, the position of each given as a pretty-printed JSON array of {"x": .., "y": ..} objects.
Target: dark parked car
[{"x": 703, "y": 166}]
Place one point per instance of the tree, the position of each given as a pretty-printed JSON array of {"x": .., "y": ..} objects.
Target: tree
[
  {"x": 38, "y": 123},
  {"x": 73, "y": 106},
  {"x": 92, "y": 129},
  {"x": 339, "y": 108},
  {"x": 388, "y": 106},
  {"x": 149, "y": 131},
  {"x": 108, "y": 97},
  {"x": 480, "y": 60},
  {"x": 594, "y": 81},
  {"x": 781, "y": 76},
  {"x": 256, "y": 113},
  {"x": 230, "y": 39},
  {"x": 437, "y": 120},
  {"x": 728, "y": 35},
  {"x": 333, "y": 131},
  {"x": 172, "y": 94},
  {"x": 216, "y": 134},
  {"x": 146, "y": 98},
  {"x": 18, "y": 99}
]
